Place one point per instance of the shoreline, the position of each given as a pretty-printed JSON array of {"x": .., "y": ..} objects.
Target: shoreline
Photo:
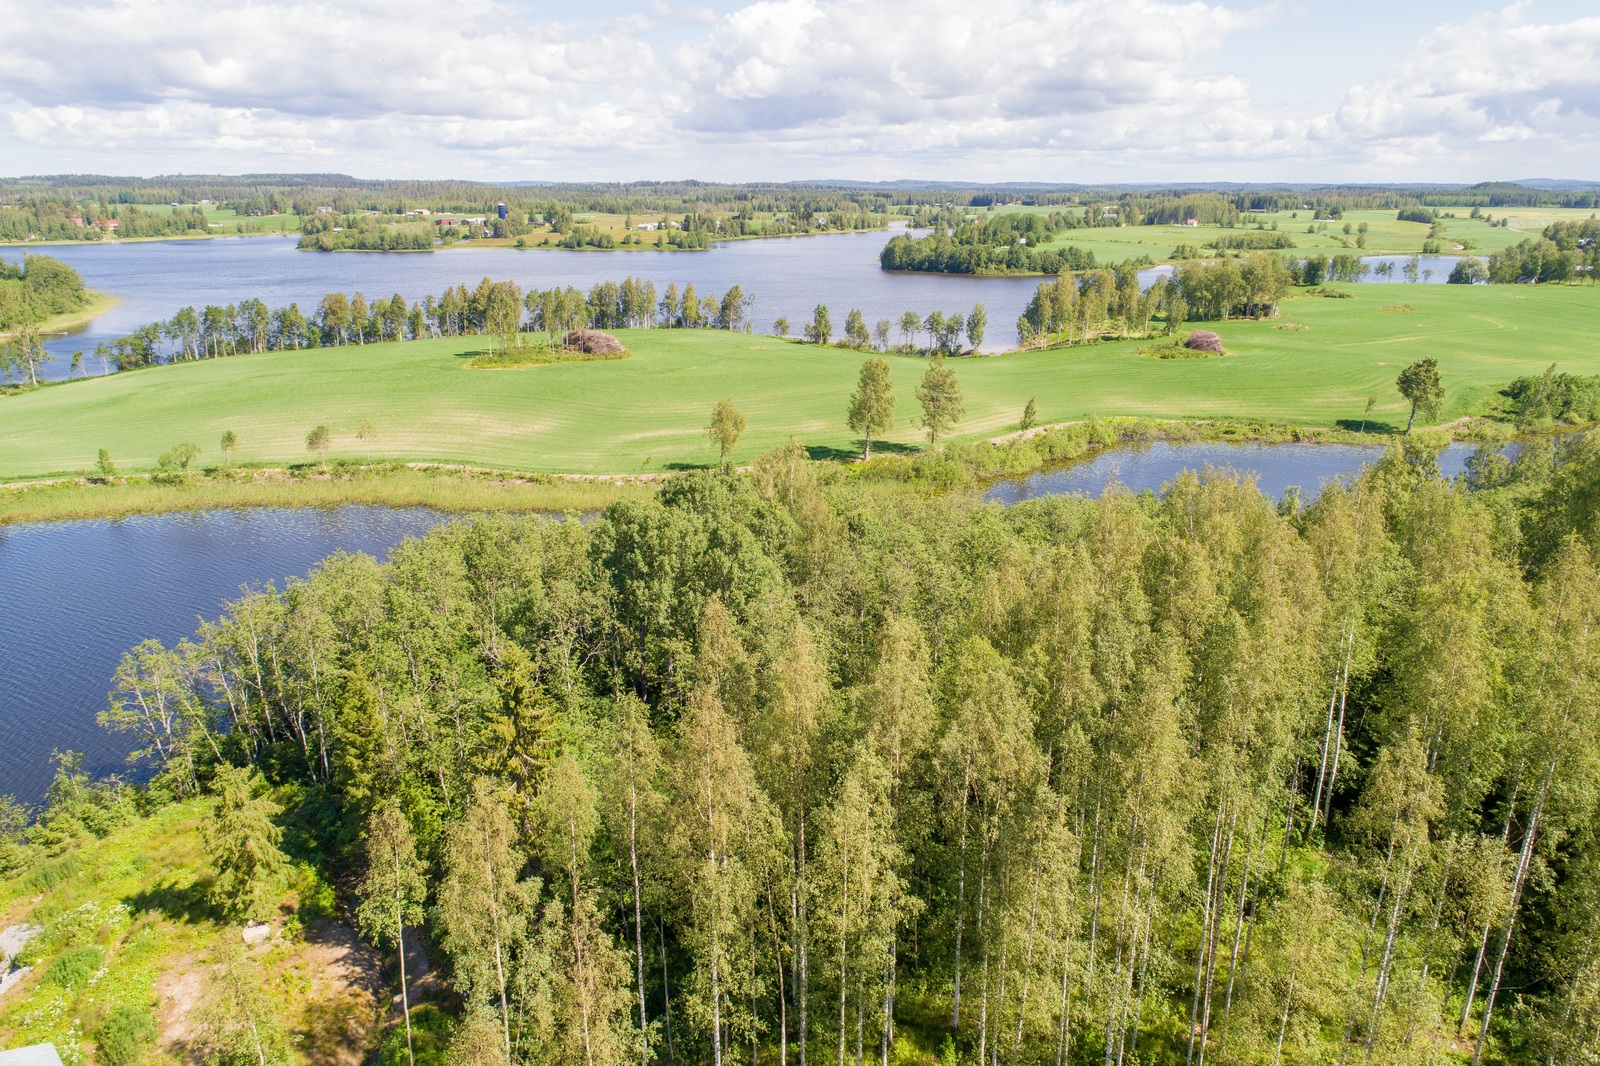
[
  {"x": 450, "y": 489},
  {"x": 75, "y": 321},
  {"x": 464, "y": 489},
  {"x": 145, "y": 240}
]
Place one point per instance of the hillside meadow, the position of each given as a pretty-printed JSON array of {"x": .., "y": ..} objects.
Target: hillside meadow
[{"x": 1315, "y": 365}]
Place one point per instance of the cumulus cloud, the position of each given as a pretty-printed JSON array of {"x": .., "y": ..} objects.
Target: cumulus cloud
[
  {"x": 1044, "y": 89},
  {"x": 1493, "y": 77}
]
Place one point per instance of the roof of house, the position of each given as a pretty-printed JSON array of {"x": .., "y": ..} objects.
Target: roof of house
[{"x": 37, "y": 1055}]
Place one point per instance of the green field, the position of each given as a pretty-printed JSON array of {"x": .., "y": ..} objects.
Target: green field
[
  {"x": 1386, "y": 234},
  {"x": 646, "y": 413}
]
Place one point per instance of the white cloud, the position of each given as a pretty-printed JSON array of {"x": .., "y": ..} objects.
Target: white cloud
[
  {"x": 1024, "y": 89},
  {"x": 1493, "y": 80}
]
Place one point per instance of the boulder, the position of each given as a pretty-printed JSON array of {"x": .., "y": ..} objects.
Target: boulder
[{"x": 1203, "y": 340}]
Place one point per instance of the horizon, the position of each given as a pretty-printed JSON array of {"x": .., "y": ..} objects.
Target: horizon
[{"x": 1535, "y": 183}]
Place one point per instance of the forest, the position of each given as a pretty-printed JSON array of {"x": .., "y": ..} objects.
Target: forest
[{"x": 789, "y": 766}]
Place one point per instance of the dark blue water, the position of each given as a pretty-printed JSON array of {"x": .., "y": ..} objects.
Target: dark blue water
[
  {"x": 74, "y": 596},
  {"x": 1275, "y": 467}
]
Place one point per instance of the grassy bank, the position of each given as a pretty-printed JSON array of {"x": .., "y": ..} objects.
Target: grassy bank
[
  {"x": 99, "y": 303},
  {"x": 437, "y": 488},
  {"x": 647, "y": 413}
]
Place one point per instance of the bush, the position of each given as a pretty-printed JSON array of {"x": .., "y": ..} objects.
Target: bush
[
  {"x": 431, "y": 1030},
  {"x": 124, "y": 1036},
  {"x": 73, "y": 968},
  {"x": 1203, "y": 340}
]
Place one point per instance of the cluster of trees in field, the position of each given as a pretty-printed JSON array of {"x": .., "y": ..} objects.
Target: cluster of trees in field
[
  {"x": 495, "y": 308},
  {"x": 632, "y": 304},
  {"x": 966, "y": 252},
  {"x": 1251, "y": 240},
  {"x": 340, "y": 233},
  {"x": 49, "y": 218},
  {"x": 801, "y": 219},
  {"x": 945, "y": 331},
  {"x": 772, "y": 767},
  {"x": 1074, "y": 309},
  {"x": 1546, "y": 260}
]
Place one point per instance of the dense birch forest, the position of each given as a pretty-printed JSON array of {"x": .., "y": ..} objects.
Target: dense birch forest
[{"x": 780, "y": 767}]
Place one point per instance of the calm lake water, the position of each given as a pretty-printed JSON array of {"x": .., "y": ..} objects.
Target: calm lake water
[
  {"x": 787, "y": 276},
  {"x": 1275, "y": 466},
  {"x": 74, "y": 596}
]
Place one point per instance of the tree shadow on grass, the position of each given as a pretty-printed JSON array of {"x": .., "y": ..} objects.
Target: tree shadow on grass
[
  {"x": 176, "y": 902},
  {"x": 827, "y": 451},
  {"x": 1368, "y": 427}
]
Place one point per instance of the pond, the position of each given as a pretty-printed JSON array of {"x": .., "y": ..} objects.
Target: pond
[
  {"x": 74, "y": 596},
  {"x": 1275, "y": 467}
]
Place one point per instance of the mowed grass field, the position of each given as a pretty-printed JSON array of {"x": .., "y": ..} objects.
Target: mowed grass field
[
  {"x": 647, "y": 413},
  {"x": 1386, "y": 234}
]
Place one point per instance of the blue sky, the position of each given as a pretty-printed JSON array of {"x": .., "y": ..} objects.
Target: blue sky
[{"x": 1026, "y": 90}]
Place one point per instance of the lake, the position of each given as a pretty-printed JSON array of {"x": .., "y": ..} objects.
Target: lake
[
  {"x": 788, "y": 276},
  {"x": 74, "y": 596}
]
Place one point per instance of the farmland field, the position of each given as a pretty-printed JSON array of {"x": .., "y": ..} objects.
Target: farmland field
[
  {"x": 1385, "y": 233},
  {"x": 647, "y": 413}
]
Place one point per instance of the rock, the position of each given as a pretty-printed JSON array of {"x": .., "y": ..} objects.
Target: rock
[
  {"x": 1203, "y": 340},
  {"x": 12, "y": 978},
  {"x": 256, "y": 933},
  {"x": 13, "y": 938}
]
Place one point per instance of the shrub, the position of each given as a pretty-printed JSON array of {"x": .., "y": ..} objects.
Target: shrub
[
  {"x": 73, "y": 968},
  {"x": 592, "y": 341},
  {"x": 1203, "y": 340},
  {"x": 124, "y": 1036},
  {"x": 431, "y": 1030}
]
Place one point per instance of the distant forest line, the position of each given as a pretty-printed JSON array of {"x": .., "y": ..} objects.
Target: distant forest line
[{"x": 45, "y": 207}]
